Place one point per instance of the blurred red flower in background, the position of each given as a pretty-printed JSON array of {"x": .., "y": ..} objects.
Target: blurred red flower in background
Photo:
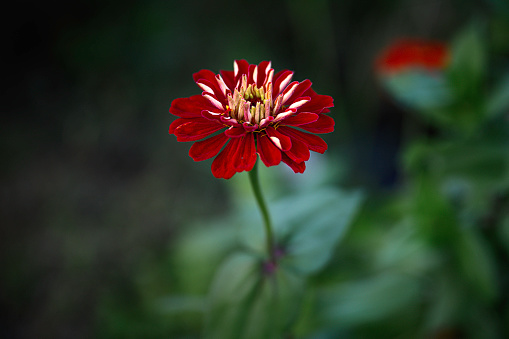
[
  {"x": 252, "y": 111},
  {"x": 413, "y": 53},
  {"x": 412, "y": 71}
]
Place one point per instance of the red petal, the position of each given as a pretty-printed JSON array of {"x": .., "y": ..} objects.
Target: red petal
[
  {"x": 229, "y": 79},
  {"x": 262, "y": 69},
  {"x": 277, "y": 76},
  {"x": 204, "y": 74},
  {"x": 235, "y": 132},
  {"x": 190, "y": 107},
  {"x": 240, "y": 67},
  {"x": 281, "y": 80},
  {"x": 299, "y": 151},
  {"x": 244, "y": 157},
  {"x": 280, "y": 140},
  {"x": 324, "y": 124},
  {"x": 300, "y": 119},
  {"x": 176, "y": 123},
  {"x": 214, "y": 86},
  {"x": 288, "y": 92},
  {"x": 314, "y": 142},
  {"x": 218, "y": 104},
  {"x": 269, "y": 153},
  {"x": 222, "y": 166},
  {"x": 299, "y": 90},
  {"x": 209, "y": 78},
  {"x": 208, "y": 148},
  {"x": 211, "y": 115},
  {"x": 296, "y": 167},
  {"x": 196, "y": 129},
  {"x": 250, "y": 72},
  {"x": 317, "y": 103}
]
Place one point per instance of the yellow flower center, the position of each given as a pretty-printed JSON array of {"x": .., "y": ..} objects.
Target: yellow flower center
[{"x": 252, "y": 104}]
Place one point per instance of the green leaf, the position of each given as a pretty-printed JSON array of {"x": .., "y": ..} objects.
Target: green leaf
[
  {"x": 180, "y": 304},
  {"x": 310, "y": 240},
  {"x": 468, "y": 64},
  {"x": 468, "y": 171},
  {"x": 373, "y": 299},
  {"x": 477, "y": 160},
  {"x": 401, "y": 248},
  {"x": 504, "y": 233},
  {"x": 466, "y": 75},
  {"x": 480, "y": 323},
  {"x": 198, "y": 252},
  {"x": 432, "y": 214},
  {"x": 419, "y": 89},
  {"x": 477, "y": 264},
  {"x": 307, "y": 227},
  {"x": 246, "y": 302},
  {"x": 498, "y": 100},
  {"x": 437, "y": 221},
  {"x": 445, "y": 301}
]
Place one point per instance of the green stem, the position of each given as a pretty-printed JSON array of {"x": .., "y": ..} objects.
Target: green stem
[{"x": 255, "y": 184}]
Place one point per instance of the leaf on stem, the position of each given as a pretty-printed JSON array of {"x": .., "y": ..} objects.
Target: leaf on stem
[
  {"x": 247, "y": 302},
  {"x": 307, "y": 227}
]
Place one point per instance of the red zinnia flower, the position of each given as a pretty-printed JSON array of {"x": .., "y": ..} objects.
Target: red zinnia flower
[
  {"x": 255, "y": 111},
  {"x": 413, "y": 53}
]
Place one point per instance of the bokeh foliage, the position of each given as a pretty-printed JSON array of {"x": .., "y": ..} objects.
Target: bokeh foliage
[{"x": 110, "y": 230}]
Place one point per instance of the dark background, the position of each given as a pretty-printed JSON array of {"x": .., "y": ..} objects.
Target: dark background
[{"x": 94, "y": 190}]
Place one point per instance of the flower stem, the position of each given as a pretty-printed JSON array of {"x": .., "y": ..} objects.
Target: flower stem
[{"x": 255, "y": 184}]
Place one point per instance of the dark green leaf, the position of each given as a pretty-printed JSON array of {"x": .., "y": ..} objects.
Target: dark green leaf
[
  {"x": 445, "y": 301},
  {"x": 498, "y": 99},
  {"x": 466, "y": 77},
  {"x": 469, "y": 171},
  {"x": 504, "y": 233},
  {"x": 468, "y": 64},
  {"x": 476, "y": 263},
  {"x": 433, "y": 215}
]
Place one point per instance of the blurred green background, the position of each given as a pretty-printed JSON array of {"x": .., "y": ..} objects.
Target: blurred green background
[{"x": 99, "y": 204}]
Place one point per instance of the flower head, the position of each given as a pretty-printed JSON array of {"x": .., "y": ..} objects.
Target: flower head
[
  {"x": 413, "y": 53},
  {"x": 252, "y": 111}
]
